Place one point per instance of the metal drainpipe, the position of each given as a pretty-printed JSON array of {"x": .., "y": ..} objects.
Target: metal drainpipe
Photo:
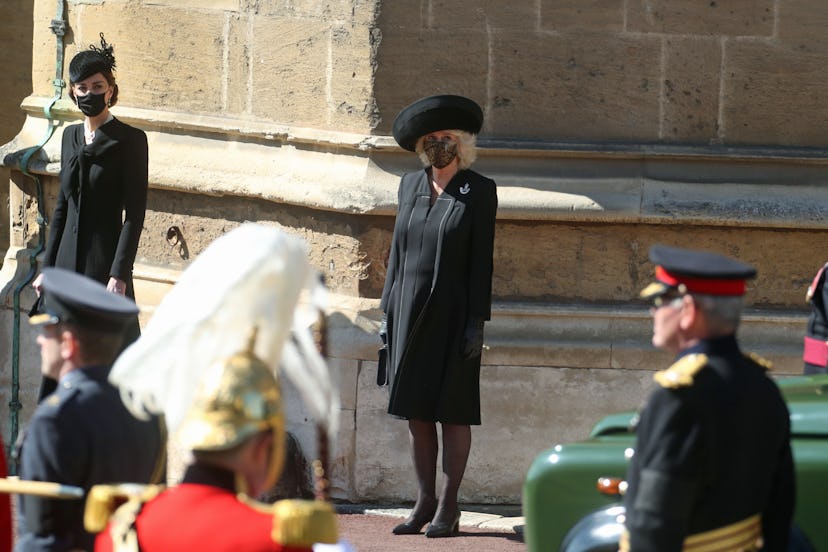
[{"x": 58, "y": 27}]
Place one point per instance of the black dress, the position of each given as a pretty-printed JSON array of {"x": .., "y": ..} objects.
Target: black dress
[
  {"x": 99, "y": 214},
  {"x": 439, "y": 277}
]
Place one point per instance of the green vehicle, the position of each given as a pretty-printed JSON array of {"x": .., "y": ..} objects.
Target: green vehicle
[{"x": 565, "y": 511}]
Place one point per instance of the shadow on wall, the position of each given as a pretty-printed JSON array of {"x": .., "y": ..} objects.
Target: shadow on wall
[{"x": 16, "y": 31}]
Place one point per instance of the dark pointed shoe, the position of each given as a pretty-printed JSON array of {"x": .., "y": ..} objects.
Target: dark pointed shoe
[
  {"x": 411, "y": 526},
  {"x": 440, "y": 530}
]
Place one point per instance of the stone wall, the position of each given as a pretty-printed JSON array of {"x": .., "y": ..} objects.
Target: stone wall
[
  {"x": 610, "y": 126},
  {"x": 736, "y": 72}
]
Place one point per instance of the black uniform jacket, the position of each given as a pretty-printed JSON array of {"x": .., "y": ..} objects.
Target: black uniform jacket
[
  {"x": 100, "y": 207},
  {"x": 710, "y": 452},
  {"x": 439, "y": 277},
  {"x": 82, "y": 435}
]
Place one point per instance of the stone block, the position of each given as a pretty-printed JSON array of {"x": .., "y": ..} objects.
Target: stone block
[
  {"x": 591, "y": 15},
  {"x": 167, "y": 58},
  {"x": 223, "y": 5},
  {"x": 394, "y": 17},
  {"x": 43, "y": 48},
  {"x": 237, "y": 97},
  {"x": 581, "y": 86},
  {"x": 762, "y": 105},
  {"x": 345, "y": 371},
  {"x": 569, "y": 262},
  {"x": 352, "y": 11},
  {"x": 352, "y": 107},
  {"x": 291, "y": 70},
  {"x": 533, "y": 409},
  {"x": 801, "y": 24},
  {"x": 382, "y": 469},
  {"x": 692, "y": 72},
  {"x": 713, "y": 18},
  {"x": 16, "y": 68},
  {"x": 414, "y": 64},
  {"x": 450, "y": 16}
]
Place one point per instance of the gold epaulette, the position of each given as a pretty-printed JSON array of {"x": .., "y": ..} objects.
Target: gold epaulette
[
  {"x": 682, "y": 372},
  {"x": 103, "y": 500},
  {"x": 761, "y": 361},
  {"x": 304, "y": 522}
]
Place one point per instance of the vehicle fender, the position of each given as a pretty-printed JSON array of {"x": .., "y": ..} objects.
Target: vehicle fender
[{"x": 598, "y": 531}]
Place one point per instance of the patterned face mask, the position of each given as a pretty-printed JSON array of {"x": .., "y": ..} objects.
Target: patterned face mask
[{"x": 440, "y": 153}]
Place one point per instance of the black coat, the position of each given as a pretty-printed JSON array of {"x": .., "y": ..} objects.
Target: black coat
[
  {"x": 439, "y": 278},
  {"x": 82, "y": 435},
  {"x": 711, "y": 452},
  {"x": 100, "y": 207}
]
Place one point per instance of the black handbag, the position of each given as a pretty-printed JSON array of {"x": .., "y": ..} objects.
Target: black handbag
[{"x": 382, "y": 366}]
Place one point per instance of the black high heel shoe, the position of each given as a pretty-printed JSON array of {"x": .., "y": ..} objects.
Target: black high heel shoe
[
  {"x": 440, "y": 530},
  {"x": 412, "y": 526}
]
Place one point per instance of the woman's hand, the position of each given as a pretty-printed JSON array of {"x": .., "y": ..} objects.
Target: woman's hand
[
  {"x": 38, "y": 284},
  {"x": 116, "y": 285}
]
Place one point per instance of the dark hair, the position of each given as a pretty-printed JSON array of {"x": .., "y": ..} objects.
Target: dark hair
[
  {"x": 94, "y": 60},
  {"x": 97, "y": 347}
]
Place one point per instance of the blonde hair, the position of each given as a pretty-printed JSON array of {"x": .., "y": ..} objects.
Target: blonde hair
[{"x": 466, "y": 148}]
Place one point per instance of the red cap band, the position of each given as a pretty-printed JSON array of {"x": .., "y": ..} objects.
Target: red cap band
[{"x": 704, "y": 286}]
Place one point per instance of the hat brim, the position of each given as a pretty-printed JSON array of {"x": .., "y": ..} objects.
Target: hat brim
[
  {"x": 427, "y": 115},
  {"x": 43, "y": 319},
  {"x": 654, "y": 290}
]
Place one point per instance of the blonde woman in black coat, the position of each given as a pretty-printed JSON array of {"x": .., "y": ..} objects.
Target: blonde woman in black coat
[{"x": 436, "y": 299}]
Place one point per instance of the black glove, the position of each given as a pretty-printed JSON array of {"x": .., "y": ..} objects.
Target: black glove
[
  {"x": 473, "y": 338},
  {"x": 382, "y": 353},
  {"x": 383, "y": 329}
]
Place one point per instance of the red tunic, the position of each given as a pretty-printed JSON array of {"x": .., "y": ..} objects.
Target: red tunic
[{"x": 203, "y": 517}]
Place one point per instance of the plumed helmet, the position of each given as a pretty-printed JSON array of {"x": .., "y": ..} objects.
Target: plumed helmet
[
  {"x": 238, "y": 398},
  {"x": 427, "y": 115},
  {"x": 94, "y": 60}
]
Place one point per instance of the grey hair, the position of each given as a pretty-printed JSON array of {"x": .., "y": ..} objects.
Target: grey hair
[
  {"x": 722, "y": 313},
  {"x": 466, "y": 148}
]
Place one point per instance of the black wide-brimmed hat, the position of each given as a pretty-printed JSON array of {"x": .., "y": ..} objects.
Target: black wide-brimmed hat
[
  {"x": 73, "y": 298},
  {"x": 91, "y": 61},
  {"x": 443, "y": 112}
]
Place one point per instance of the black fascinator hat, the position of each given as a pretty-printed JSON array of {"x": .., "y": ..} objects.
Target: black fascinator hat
[
  {"x": 443, "y": 112},
  {"x": 91, "y": 61}
]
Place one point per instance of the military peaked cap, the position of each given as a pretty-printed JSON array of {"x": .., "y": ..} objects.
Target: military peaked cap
[
  {"x": 76, "y": 299},
  {"x": 693, "y": 271}
]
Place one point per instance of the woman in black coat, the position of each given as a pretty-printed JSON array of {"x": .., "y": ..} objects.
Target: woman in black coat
[
  {"x": 99, "y": 214},
  {"x": 437, "y": 297}
]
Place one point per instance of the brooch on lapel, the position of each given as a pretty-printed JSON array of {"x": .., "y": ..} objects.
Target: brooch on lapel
[{"x": 465, "y": 188}]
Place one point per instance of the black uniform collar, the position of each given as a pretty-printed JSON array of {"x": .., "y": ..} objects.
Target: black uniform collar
[
  {"x": 205, "y": 474},
  {"x": 716, "y": 346}
]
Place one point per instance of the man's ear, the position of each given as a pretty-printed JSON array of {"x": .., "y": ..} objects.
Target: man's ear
[
  {"x": 689, "y": 313},
  {"x": 69, "y": 345}
]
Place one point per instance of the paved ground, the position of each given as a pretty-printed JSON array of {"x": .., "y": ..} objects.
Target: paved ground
[{"x": 482, "y": 528}]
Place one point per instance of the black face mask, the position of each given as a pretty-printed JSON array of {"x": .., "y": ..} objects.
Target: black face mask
[
  {"x": 440, "y": 154},
  {"x": 91, "y": 104}
]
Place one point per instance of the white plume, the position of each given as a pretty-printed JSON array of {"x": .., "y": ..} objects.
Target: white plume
[{"x": 254, "y": 275}]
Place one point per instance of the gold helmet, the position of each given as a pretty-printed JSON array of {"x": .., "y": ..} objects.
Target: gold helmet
[{"x": 238, "y": 398}]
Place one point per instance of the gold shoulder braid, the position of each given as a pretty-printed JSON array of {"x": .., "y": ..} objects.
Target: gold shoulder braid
[
  {"x": 761, "y": 361},
  {"x": 304, "y": 522},
  {"x": 122, "y": 504},
  {"x": 682, "y": 372}
]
